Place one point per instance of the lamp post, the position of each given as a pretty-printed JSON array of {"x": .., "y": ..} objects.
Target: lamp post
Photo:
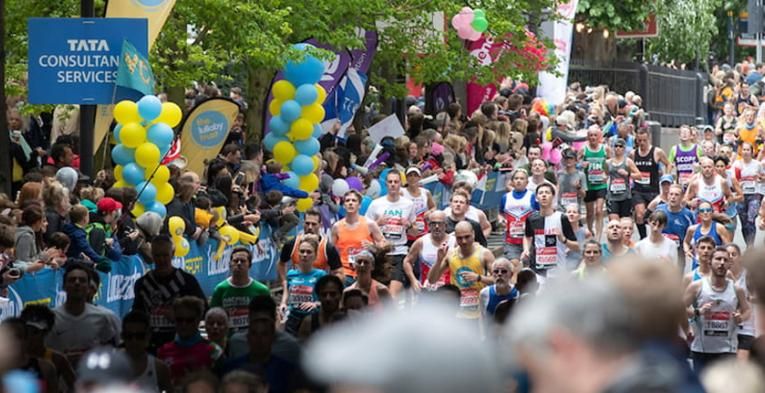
[
  {"x": 731, "y": 39},
  {"x": 87, "y": 112}
]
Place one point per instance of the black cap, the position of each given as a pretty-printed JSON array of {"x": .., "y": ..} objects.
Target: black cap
[{"x": 104, "y": 365}]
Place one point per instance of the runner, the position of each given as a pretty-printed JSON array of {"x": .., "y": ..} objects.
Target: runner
[
  {"x": 719, "y": 305},
  {"x": 422, "y": 199},
  {"x": 582, "y": 234},
  {"x": 620, "y": 170},
  {"x": 750, "y": 174},
  {"x": 724, "y": 170},
  {"x": 706, "y": 227},
  {"x": 594, "y": 155},
  {"x": 571, "y": 182},
  {"x": 352, "y": 233},
  {"x": 679, "y": 218},
  {"x": 299, "y": 299},
  {"x": 327, "y": 258},
  {"x": 549, "y": 235},
  {"x": 592, "y": 262},
  {"x": 656, "y": 246},
  {"x": 646, "y": 187},
  {"x": 234, "y": 293},
  {"x": 517, "y": 206},
  {"x": 467, "y": 264},
  {"x": 538, "y": 170},
  {"x": 708, "y": 187},
  {"x": 458, "y": 212},
  {"x": 705, "y": 247},
  {"x": 749, "y": 131},
  {"x": 614, "y": 245},
  {"x": 502, "y": 290},
  {"x": 473, "y": 213},
  {"x": 375, "y": 291},
  {"x": 424, "y": 251},
  {"x": 684, "y": 156},
  {"x": 395, "y": 216}
]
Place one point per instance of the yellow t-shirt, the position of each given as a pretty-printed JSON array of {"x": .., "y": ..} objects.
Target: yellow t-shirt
[{"x": 469, "y": 291}]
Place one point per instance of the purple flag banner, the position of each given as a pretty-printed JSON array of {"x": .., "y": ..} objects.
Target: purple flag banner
[
  {"x": 362, "y": 58},
  {"x": 438, "y": 97}
]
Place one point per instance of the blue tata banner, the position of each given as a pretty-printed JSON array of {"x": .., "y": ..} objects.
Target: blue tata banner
[
  {"x": 116, "y": 290},
  {"x": 75, "y": 60}
]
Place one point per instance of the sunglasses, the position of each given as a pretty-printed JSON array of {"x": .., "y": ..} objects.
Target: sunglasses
[
  {"x": 705, "y": 210},
  {"x": 500, "y": 271},
  {"x": 434, "y": 223}
]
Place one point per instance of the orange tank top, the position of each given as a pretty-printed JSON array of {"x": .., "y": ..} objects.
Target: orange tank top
[
  {"x": 321, "y": 255},
  {"x": 349, "y": 243}
]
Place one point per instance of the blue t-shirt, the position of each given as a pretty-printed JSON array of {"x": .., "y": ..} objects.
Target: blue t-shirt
[
  {"x": 677, "y": 223},
  {"x": 300, "y": 287},
  {"x": 281, "y": 375}
]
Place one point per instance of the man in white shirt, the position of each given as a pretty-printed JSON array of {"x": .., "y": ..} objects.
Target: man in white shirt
[{"x": 657, "y": 247}]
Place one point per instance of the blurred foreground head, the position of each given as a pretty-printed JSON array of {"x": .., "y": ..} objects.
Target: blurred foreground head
[{"x": 421, "y": 350}]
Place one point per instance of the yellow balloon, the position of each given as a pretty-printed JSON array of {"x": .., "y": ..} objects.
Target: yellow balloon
[
  {"x": 165, "y": 193},
  {"x": 132, "y": 135},
  {"x": 171, "y": 114},
  {"x": 283, "y": 90},
  {"x": 138, "y": 209},
  {"x": 161, "y": 176},
  {"x": 284, "y": 152},
  {"x": 313, "y": 113},
  {"x": 316, "y": 162},
  {"x": 126, "y": 112},
  {"x": 182, "y": 246},
  {"x": 274, "y": 107},
  {"x": 118, "y": 173},
  {"x": 301, "y": 129},
  {"x": 120, "y": 184},
  {"x": 304, "y": 204},
  {"x": 177, "y": 226},
  {"x": 147, "y": 156},
  {"x": 230, "y": 234},
  {"x": 321, "y": 96},
  {"x": 309, "y": 183}
]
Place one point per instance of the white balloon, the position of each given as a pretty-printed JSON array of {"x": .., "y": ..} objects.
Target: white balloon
[
  {"x": 340, "y": 187},
  {"x": 374, "y": 188},
  {"x": 467, "y": 176}
]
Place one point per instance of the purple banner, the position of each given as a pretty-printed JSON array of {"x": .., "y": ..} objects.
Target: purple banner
[
  {"x": 362, "y": 58},
  {"x": 438, "y": 97}
]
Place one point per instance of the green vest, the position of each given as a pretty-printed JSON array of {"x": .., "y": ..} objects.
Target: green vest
[{"x": 596, "y": 173}]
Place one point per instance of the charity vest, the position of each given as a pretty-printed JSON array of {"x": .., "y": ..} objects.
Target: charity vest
[
  {"x": 516, "y": 211},
  {"x": 420, "y": 208},
  {"x": 684, "y": 161},
  {"x": 429, "y": 257},
  {"x": 321, "y": 256},
  {"x": 596, "y": 174},
  {"x": 712, "y": 193},
  {"x": 469, "y": 290},
  {"x": 349, "y": 243},
  {"x": 716, "y": 331}
]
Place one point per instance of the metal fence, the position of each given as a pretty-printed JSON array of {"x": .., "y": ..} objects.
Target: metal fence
[{"x": 671, "y": 97}]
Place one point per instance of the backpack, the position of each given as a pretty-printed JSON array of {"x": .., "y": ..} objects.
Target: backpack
[{"x": 97, "y": 234}]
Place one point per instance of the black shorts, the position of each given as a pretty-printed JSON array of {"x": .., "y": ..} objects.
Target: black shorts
[
  {"x": 621, "y": 208},
  {"x": 397, "y": 269},
  {"x": 594, "y": 195},
  {"x": 745, "y": 342},
  {"x": 643, "y": 198}
]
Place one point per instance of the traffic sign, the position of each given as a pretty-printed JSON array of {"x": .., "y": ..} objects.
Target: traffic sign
[{"x": 75, "y": 60}]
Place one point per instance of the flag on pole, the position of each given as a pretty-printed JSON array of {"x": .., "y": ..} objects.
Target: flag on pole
[{"x": 134, "y": 71}]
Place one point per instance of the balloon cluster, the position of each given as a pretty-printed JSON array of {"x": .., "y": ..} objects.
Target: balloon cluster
[
  {"x": 294, "y": 129},
  {"x": 144, "y": 134},
  {"x": 177, "y": 227},
  {"x": 470, "y": 24}
]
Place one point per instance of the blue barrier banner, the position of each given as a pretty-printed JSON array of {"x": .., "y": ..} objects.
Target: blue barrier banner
[
  {"x": 116, "y": 290},
  {"x": 75, "y": 60}
]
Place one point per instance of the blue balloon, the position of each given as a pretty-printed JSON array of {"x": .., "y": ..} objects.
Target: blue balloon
[
  {"x": 132, "y": 173},
  {"x": 317, "y": 131},
  {"x": 366, "y": 200},
  {"x": 290, "y": 111},
  {"x": 302, "y": 165},
  {"x": 271, "y": 140},
  {"x": 278, "y": 126},
  {"x": 306, "y": 94},
  {"x": 293, "y": 181},
  {"x": 163, "y": 150},
  {"x": 149, "y": 107},
  {"x": 308, "y": 146},
  {"x": 158, "y": 208},
  {"x": 148, "y": 195},
  {"x": 123, "y": 155},
  {"x": 160, "y": 134},
  {"x": 117, "y": 130},
  {"x": 307, "y": 71}
]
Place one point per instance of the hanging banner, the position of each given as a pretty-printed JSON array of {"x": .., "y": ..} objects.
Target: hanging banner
[
  {"x": 487, "y": 51},
  {"x": 438, "y": 97},
  {"x": 156, "y": 12},
  {"x": 205, "y": 129},
  {"x": 553, "y": 88}
]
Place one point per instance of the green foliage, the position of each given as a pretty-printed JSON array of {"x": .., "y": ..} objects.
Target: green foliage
[
  {"x": 686, "y": 30},
  {"x": 614, "y": 15}
]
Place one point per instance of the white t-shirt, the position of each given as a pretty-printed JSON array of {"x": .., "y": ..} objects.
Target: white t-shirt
[
  {"x": 667, "y": 249},
  {"x": 395, "y": 213},
  {"x": 74, "y": 335}
]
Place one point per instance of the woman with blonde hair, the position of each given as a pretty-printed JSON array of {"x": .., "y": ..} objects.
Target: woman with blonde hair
[{"x": 57, "y": 205}]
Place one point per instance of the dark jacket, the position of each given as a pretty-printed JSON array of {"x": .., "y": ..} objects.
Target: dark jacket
[
  {"x": 183, "y": 210},
  {"x": 79, "y": 243}
]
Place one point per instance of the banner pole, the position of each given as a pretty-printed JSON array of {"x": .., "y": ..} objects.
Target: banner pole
[{"x": 87, "y": 112}]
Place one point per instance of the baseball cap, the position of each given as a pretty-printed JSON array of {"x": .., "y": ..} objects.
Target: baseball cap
[
  {"x": 667, "y": 179},
  {"x": 414, "y": 170},
  {"x": 36, "y": 322},
  {"x": 620, "y": 142},
  {"x": 105, "y": 366},
  {"x": 568, "y": 153},
  {"x": 108, "y": 205}
]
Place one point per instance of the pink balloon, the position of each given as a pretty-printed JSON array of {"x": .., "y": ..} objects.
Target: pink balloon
[
  {"x": 465, "y": 34},
  {"x": 555, "y": 157},
  {"x": 546, "y": 151},
  {"x": 474, "y": 35}
]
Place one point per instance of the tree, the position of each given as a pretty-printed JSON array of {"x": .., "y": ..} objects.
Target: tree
[
  {"x": 686, "y": 30},
  {"x": 614, "y": 15}
]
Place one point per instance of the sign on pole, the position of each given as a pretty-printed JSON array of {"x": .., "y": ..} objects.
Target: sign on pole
[{"x": 75, "y": 60}]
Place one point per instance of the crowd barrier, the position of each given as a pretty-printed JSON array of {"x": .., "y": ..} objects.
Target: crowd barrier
[{"x": 116, "y": 290}]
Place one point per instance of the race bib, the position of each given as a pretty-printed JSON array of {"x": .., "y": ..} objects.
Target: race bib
[
  {"x": 239, "y": 322},
  {"x": 518, "y": 229},
  {"x": 645, "y": 178},
  {"x": 300, "y": 294},
  {"x": 685, "y": 177},
  {"x": 547, "y": 257},
  {"x": 674, "y": 238},
  {"x": 618, "y": 185},
  {"x": 749, "y": 185},
  {"x": 597, "y": 176},
  {"x": 569, "y": 198},
  {"x": 393, "y": 232},
  {"x": 717, "y": 324},
  {"x": 159, "y": 319},
  {"x": 469, "y": 299}
]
